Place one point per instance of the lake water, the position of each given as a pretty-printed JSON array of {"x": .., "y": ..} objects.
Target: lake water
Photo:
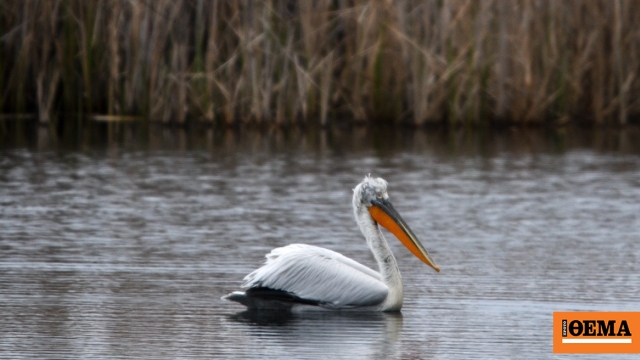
[{"x": 118, "y": 241}]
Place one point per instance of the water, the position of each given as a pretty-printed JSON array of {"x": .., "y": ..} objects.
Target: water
[{"x": 113, "y": 247}]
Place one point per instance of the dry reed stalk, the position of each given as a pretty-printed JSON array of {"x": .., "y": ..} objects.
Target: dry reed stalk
[
  {"x": 325, "y": 87},
  {"x": 280, "y": 62},
  {"x": 113, "y": 54},
  {"x": 47, "y": 64}
]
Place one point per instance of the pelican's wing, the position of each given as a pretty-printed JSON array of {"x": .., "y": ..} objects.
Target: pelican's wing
[{"x": 318, "y": 274}]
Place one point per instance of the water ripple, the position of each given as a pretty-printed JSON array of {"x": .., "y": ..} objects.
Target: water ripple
[{"x": 128, "y": 256}]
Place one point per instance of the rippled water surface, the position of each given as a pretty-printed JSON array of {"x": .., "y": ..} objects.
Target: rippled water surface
[{"x": 123, "y": 246}]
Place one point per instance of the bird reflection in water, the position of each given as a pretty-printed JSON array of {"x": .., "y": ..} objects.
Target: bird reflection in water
[{"x": 360, "y": 333}]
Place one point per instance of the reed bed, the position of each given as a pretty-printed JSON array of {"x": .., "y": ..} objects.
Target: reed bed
[{"x": 283, "y": 62}]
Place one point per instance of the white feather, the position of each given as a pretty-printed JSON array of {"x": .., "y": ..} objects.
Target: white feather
[{"x": 315, "y": 273}]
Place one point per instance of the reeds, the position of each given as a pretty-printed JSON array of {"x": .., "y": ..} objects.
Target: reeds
[{"x": 280, "y": 62}]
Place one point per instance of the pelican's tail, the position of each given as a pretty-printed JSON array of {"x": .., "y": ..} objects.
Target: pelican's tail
[{"x": 237, "y": 296}]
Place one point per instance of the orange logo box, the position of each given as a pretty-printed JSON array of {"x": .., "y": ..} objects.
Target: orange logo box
[{"x": 596, "y": 332}]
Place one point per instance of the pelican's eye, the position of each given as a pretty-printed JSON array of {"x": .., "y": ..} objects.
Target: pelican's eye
[{"x": 379, "y": 196}]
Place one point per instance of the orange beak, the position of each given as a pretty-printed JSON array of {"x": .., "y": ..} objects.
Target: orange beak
[{"x": 384, "y": 214}]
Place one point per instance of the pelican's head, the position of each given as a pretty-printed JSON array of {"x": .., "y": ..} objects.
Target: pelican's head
[{"x": 371, "y": 195}]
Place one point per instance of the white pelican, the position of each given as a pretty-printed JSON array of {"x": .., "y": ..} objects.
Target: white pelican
[{"x": 299, "y": 275}]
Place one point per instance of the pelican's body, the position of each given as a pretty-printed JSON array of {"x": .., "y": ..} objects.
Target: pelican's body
[{"x": 305, "y": 275}]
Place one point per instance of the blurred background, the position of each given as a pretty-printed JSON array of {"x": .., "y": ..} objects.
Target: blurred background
[
  {"x": 321, "y": 62},
  {"x": 152, "y": 152}
]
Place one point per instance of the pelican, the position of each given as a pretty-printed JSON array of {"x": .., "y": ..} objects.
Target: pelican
[{"x": 305, "y": 275}]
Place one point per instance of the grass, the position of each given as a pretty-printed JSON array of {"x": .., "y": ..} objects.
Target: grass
[{"x": 283, "y": 62}]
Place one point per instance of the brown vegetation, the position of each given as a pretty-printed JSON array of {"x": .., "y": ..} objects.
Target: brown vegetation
[{"x": 457, "y": 61}]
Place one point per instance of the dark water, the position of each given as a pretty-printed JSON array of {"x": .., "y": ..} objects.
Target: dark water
[{"x": 121, "y": 245}]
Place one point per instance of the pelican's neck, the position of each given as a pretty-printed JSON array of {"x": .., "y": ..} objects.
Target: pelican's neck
[{"x": 389, "y": 270}]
